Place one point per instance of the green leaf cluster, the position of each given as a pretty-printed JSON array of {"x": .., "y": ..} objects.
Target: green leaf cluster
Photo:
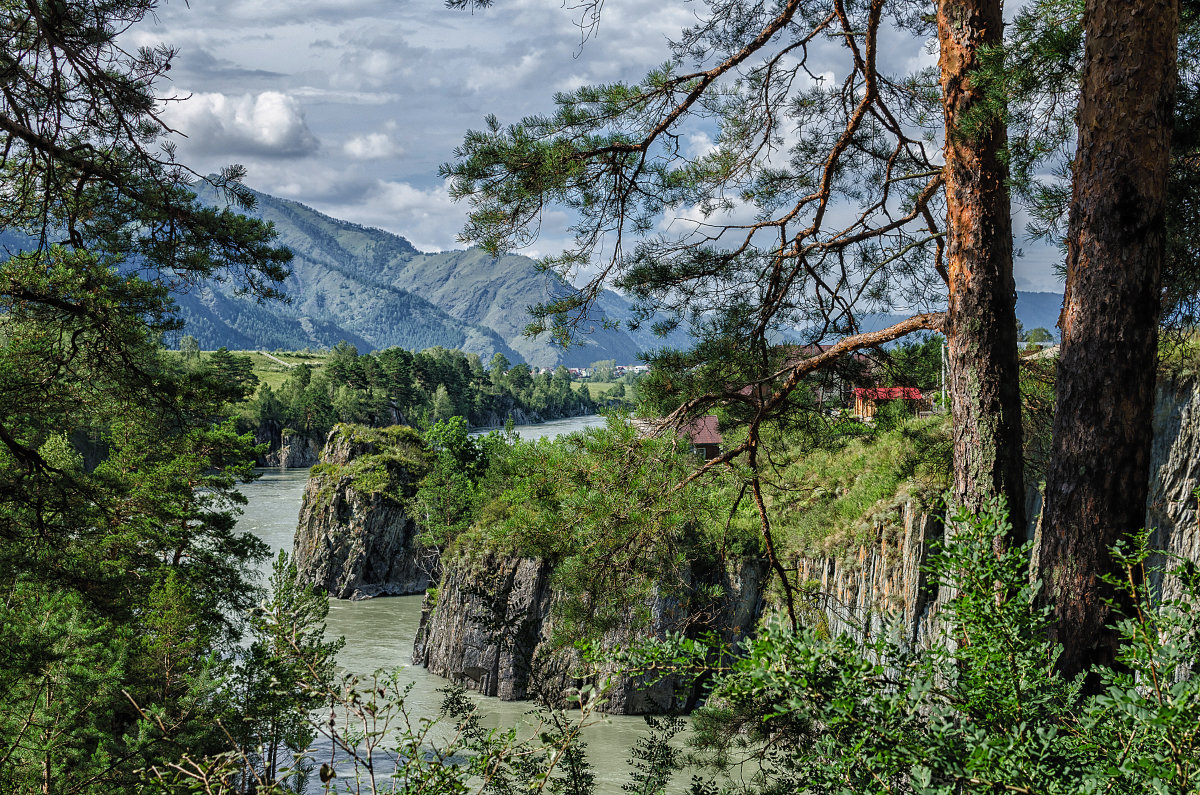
[
  {"x": 983, "y": 711},
  {"x": 607, "y": 509}
]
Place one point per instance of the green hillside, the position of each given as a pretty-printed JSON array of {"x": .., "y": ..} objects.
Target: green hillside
[{"x": 375, "y": 290}]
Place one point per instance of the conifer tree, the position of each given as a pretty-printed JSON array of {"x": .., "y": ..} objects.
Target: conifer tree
[{"x": 121, "y": 573}]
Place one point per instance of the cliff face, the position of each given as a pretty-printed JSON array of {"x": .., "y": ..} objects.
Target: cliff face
[
  {"x": 294, "y": 451},
  {"x": 880, "y": 586},
  {"x": 860, "y": 592},
  {"x": 1171, "y": 508},
  {"x": 492, "y": 630},
  {"x": 355, "y": 539}
]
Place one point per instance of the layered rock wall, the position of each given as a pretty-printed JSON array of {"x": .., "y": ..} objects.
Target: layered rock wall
[
  {"x": 491, "y": 628},
  {"x": 355, "y": 538},
  {"x": 880, "y": 585}
]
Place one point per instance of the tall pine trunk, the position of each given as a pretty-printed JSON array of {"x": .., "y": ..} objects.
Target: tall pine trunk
[
  {"x": 1096, "y": 485},
  {"x": 981, "y": 323}
]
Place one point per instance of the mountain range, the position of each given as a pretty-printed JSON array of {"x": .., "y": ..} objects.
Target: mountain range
[{"x": 375, "y": 290}]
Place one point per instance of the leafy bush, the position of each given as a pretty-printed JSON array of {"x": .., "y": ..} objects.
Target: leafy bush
[{"x": 982, "y": 711}]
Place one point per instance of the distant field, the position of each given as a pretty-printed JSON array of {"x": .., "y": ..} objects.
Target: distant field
[
  {"x": 271, "y": 372},
  {"x": 595, "y": 389}
]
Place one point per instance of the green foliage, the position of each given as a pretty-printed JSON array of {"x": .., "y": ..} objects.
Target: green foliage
[
  {"x": 983, "y": 712},
  {"x": 1037, "y": 336},
  {"x": 124, "y": 583},
  {"x": 376, "y": 743},
  {"x": 653, "y": 758},
  {"x": 670, "y": 225},
  {"x": 604, "y": 506},
  {"x": 285, "y": 673},
  {"x": 384, "y": 462},
  {"x": 117, "y": 494},
  {"x": 915, "y": 362},
  {"x": 825, "y": 499},
  {"x": 450, "y": 492},
  {"x": 1037, "y": 415}
]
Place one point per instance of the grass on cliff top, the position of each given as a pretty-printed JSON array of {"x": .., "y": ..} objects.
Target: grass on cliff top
[
  {"x": 1179, "y": 354},
  {"x": 824, "y": 501},
  {"x": 397, "y": 462}
]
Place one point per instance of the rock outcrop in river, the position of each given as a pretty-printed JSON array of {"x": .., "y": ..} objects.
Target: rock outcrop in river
[
  {"x": 355, "y": 538},
  {"x": 490, "y": 627},
  {"x": 295, "y": 451}
]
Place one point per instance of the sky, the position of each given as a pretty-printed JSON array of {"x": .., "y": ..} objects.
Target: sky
[{"x": 349, "y": 106}]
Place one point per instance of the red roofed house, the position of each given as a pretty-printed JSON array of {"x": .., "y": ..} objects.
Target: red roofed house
[
  {"x": 703, "y": 432},
  {"x": 865, "y": 398},
  {"x": 705, "y": 435}
]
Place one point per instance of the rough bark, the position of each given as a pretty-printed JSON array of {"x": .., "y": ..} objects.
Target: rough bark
[
  {"x": 1096, "y": 485},
  {"x": 981, "y": 324}
]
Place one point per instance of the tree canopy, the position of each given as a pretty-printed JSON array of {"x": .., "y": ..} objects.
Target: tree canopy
[{"x": 123, "y": 577}]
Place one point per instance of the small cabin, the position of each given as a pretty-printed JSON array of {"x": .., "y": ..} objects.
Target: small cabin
[
  {"x": 705, "y": 435},
  {"x": 866, "y": 399},
  {"x": 703, "y": 432}
]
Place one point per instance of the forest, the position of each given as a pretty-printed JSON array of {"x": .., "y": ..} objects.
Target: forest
[
  {"x": 399, "y": 387},
  {"x": 140, "y": 656}
]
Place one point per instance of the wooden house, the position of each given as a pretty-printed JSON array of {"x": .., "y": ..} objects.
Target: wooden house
[
  {"x": 705, "y": 435},
  {"x": 866, "y": 399}
]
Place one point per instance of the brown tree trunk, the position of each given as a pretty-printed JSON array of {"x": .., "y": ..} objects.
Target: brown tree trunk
[
  {"x": 1097, "y": 481},
  {"x": 982, "y": 323}
]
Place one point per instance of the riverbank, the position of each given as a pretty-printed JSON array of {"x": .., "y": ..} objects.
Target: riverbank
[{"x": 379, "y": 632}]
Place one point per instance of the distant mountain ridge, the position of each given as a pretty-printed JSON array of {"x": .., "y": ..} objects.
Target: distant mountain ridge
[
  {"x": 376, "y": 290},
  {"x": 1034, "y": 310}
]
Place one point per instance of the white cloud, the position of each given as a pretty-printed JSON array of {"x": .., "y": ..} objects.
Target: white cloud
[
  {"x": 269, "y": 124},
  {"x": 700, "y": 144},
  {"x": 425, "y": 216},
  {"x": 315, "y": 94},
  {"x": 375, "y": 145},
  {"x": 531, "y": 65}
]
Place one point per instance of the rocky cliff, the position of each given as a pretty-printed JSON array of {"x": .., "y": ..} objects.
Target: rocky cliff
[
  {"x": 879, "y": 584},
  {"x": 1171, "y": 509},
  {"x": 490, "y": 626},
  {"x": 355, "y": 538},
  {"x": 294, "y": 451}
]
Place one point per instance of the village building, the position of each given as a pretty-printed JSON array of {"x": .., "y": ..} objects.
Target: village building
[
  {"x": 705, "y": 435},
  {"x": 703, "y": 432},
  {"x": 867, "y": 399}
]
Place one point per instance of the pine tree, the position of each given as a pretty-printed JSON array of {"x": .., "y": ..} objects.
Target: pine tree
[
  {"x": 117, "y": 476},
  {"x": 1097, "y": 484}
]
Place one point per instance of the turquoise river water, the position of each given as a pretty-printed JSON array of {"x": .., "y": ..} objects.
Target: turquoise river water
[{"x": 379, "y": 632}]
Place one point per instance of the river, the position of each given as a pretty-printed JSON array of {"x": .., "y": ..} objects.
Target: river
[{"x": 379, "y": 632}]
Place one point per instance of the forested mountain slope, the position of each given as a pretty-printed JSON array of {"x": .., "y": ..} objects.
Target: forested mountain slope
[{"x": 376, "y": 290}]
